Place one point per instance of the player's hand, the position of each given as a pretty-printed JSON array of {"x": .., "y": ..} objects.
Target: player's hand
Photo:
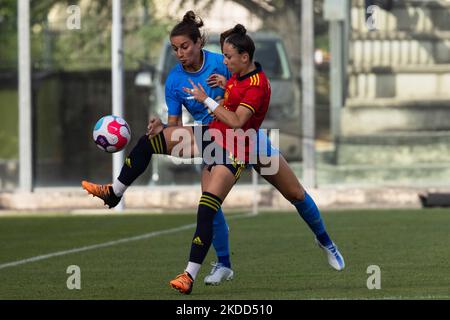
[
  {"x": 154, "y": 126},
  {"x": 216, "y": 80},
  {"x": 196, "y": 92}
]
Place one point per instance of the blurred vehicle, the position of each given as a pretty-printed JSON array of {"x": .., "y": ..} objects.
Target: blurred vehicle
[{"x": 284, "y": 110}]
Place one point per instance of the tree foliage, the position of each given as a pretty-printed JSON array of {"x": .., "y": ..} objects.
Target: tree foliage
[
  {"x": 284, "y": 18},
  {"x": 89, "y": 47},
  {"x": 54, "y": 46}
]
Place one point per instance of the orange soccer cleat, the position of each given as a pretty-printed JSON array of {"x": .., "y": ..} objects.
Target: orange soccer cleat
[
  {"x": 183, "y": 283},
  {"x": 102, "y": 191}
]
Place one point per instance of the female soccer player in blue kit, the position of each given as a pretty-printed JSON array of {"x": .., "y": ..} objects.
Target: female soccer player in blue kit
[{"x": 205, "y": 68}]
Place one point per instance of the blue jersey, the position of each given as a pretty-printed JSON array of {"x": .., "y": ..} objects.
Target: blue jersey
[{"x": 178, "y": 78}]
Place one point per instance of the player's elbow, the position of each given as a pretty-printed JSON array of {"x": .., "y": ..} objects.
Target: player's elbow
[{"x": 236, "y": 124}]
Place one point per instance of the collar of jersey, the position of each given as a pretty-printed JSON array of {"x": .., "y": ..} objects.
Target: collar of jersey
[
  {"x": 201, "y": 68},
  {"x": 245, "y": 76}
]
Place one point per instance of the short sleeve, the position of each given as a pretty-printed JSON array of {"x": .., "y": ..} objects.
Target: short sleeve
[
  {"x": 253, "y": 98},
  {"x": 173, "y": 104}
]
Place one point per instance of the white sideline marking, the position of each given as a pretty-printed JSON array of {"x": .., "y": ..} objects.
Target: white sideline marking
[
  {"x": 107, "y": 244},
  {"x": 96, "y": 246}
]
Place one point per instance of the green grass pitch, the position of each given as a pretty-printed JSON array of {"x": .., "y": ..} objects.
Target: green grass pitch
[{"x": 273, "y": 255}]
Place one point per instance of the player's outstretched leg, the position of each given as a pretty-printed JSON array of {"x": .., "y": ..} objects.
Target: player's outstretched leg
[
  {"x": 287, "y": 183},
  {"x": 308, "y": 210},
  {"x": 135, "y": 164}
]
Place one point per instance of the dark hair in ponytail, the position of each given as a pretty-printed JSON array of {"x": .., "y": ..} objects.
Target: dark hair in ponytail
[
  {"x": 239, "y": 39},
  {"x": 190, "y": 26}
]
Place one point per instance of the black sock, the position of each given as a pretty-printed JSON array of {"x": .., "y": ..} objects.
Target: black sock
[
  {"x": 207, "y": 208},
  {"x": 139, "y": 158}
]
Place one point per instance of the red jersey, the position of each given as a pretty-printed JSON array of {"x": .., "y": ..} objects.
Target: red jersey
[{"x": 251, "y": 91}]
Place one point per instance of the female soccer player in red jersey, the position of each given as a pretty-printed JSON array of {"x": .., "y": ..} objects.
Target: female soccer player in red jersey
[{"x": 245, "y": 105}]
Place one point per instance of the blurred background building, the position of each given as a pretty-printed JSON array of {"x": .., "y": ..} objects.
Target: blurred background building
[{"x": 394, "y": 127}]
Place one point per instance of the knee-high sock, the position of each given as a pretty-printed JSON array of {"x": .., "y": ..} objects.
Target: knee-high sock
[
  {"x": 208, "y": 206},
  {"x": 220, "y": 238},
  {"x": 310, "y": 213},
  {"x": 139, "y": 158}
]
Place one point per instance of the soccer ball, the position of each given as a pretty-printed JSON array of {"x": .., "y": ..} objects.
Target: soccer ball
[{"x": 111, "y": 133}]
